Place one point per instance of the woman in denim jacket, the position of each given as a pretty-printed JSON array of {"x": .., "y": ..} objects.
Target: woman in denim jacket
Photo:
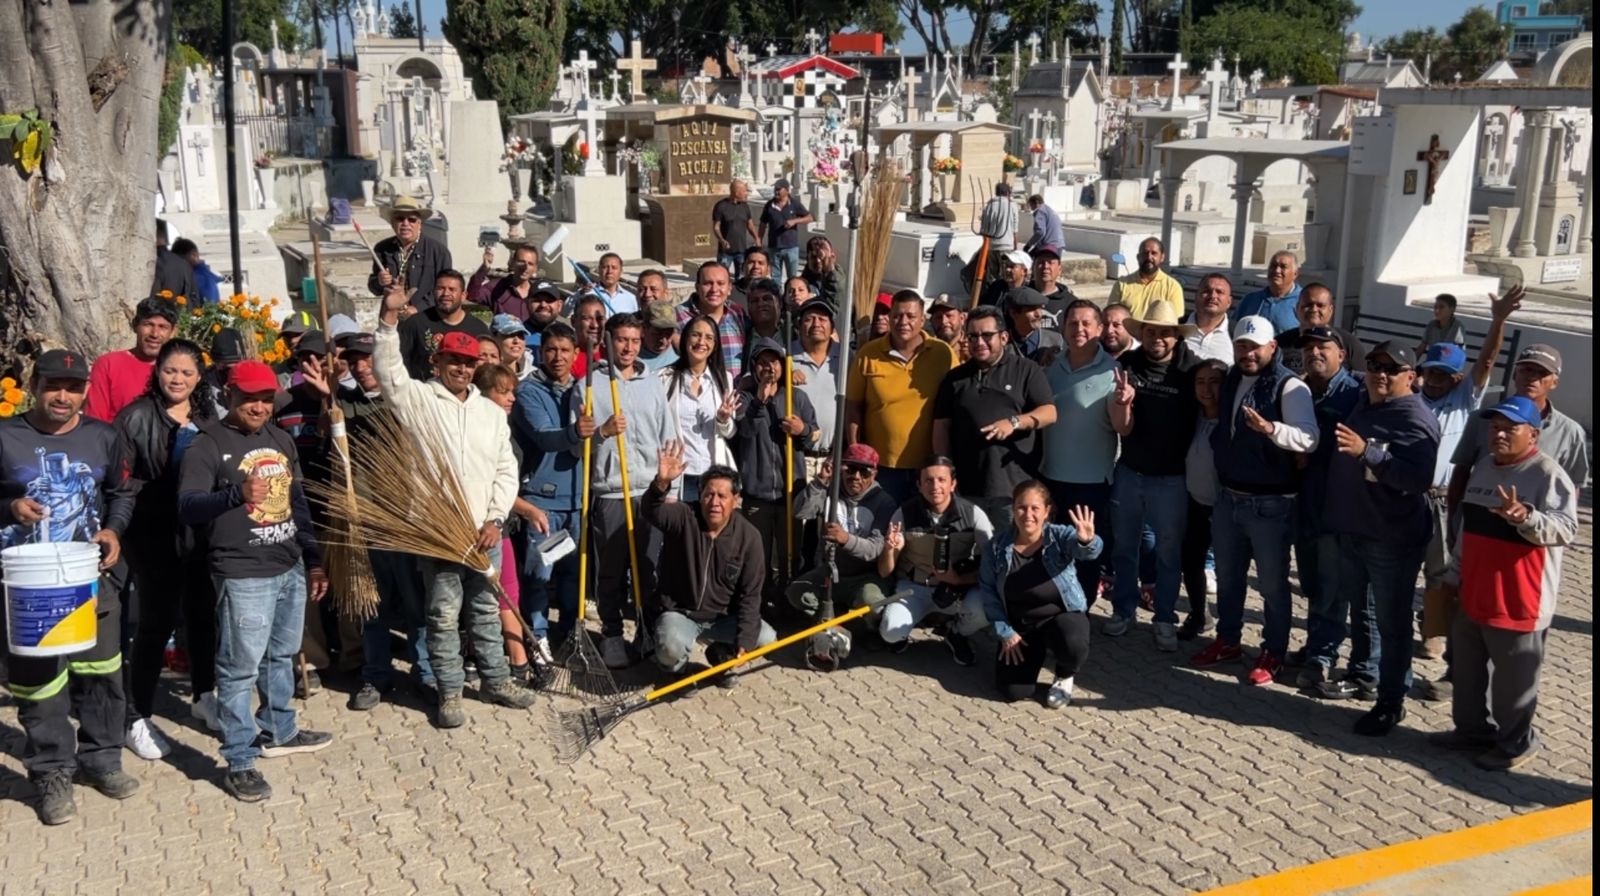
[{"x": 1028, "y": 584}]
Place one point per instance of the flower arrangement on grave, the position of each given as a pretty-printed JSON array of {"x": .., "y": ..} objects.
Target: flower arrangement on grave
[
  {"x": 251, "y": 316},
  {"x": 945, "y": 165},
  {"x": 1036, "y": 147},
  {"x": 264, "y": 160},
  {"x": 828, "y": 168},
  {"x": 13, "y": 401},
  {"x": 574, "y": 153},
  {"x": 1011, "y": 164},
  {"x": 417, "y": 161},
  {"x": 519, "y": 153}
]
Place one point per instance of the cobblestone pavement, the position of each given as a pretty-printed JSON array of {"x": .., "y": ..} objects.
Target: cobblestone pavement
[{"x": 898, "y": 774}]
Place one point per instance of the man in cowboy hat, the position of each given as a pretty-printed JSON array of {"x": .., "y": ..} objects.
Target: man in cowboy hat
[
  {"x": 1153, "y": 409},
  {"x": 408, "y": 259}
]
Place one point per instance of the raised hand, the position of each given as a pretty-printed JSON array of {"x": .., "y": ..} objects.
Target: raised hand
[
  {"x": 1502, "y": 307},
  {"x": 488, "y": 257},
  {"x": 1350, "y": 441},
  {"x": 1255, "y": 421},
  {"x": 1082, "y": 519},
  {"x": 1511, "y": 509},
  {"x": 670, "y": 464},
  {"x": 730, "y": 406},
  {"x": 895, "y": 538},
  {"x": 1123, "y": 392},
  {"x": 311, "y": 372}
]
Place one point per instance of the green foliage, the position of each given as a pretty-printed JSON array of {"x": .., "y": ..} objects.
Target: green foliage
[
  {"x": 198, "y": 23},
  {"x": 180, "y": 57},
  {"x": 1300, "y": 39},
  {"x": 1118, "y": 27},
  {"x": 401, "y": 22},
  {"x": 1050, "y": 19},
  {"x": 511, "y": 48},
  {"x": 1466, "y": 48}
]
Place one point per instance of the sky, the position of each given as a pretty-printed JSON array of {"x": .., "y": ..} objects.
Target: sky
[{"x": 1379, "y": 18}]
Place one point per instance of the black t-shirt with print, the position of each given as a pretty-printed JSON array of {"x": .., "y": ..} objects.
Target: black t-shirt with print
[
  {"x": 421, "y": 333},
  {"x": 1164, "y": 411},
  {"x": 248, "y": 541}
]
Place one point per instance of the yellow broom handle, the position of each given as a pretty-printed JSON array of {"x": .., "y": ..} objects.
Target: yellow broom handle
[
  {"x": 627, "y": 503},
  {"x": 788, "y": 469},
  {"x": 779, "y": 644},
  {"x": 583, "y": 517}
]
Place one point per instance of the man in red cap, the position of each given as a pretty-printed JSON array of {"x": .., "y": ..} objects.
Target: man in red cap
[
  {"x": 473, "y": 437},
  {"x": 241, "y": 486},
  {"x": 852, "y": 539}
]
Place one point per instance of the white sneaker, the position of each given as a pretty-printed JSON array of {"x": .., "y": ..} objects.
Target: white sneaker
[
  {"x": 146, "y": 741},
  {"x": 1116, "y": 626},
  {"x": 205, "y": 709},
  {"x": 1166, "y": 636},
  {"x": 1060, "y": 693},
  {"x": 614, "y": 651},
  {"x": 541, "y": 652}
]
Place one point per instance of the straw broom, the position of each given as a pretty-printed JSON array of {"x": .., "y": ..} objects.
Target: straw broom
[{"x": 872, "y": 244}]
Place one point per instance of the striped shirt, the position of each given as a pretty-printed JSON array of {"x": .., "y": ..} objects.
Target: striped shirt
[{"x": 730, "y": 332}]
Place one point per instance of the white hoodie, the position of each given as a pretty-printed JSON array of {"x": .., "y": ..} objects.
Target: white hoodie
[{"x": 472, "y": 436}]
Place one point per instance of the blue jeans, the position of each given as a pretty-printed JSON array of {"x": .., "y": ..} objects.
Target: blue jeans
[
  {"x": 450, "y": 585},
  {"x": 1259, "y": 527},
  {"x": 399, "y": 606},
  {"x": 1390, "y": 569},
  {"x": 676, "y": 635},
  {"x": 259, "y": 624},
  {"x": 1329, "y": 615},
  {"x": 1162, "y": 503},
  {"x": 787, "y": 261},
  {"x": 540, "y": 579},
  {"x": 733, "y": 261}
]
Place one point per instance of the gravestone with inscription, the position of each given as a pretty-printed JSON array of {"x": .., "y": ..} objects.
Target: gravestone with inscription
[{"x": 696, "y": 146}]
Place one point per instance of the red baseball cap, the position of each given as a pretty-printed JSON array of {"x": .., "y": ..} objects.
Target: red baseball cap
[
  {"x": 252, "y": 376},
  {"x": 860, "y": 453},
  {"x": 459, "y": 343}
]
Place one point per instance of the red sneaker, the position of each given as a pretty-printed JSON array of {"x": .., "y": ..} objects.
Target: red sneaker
[
  {"x": 178, "y": 660},
  {"x": 1266, "y": 668},
  {"x": 1216, "y": 653}
]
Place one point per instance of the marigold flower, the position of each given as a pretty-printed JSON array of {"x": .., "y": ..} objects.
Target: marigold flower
[
  {"x": 7, "y": 383},
  {"x": 7, "y": 409},
  {"x": 165, "y": 294},
  {"x": 216, "y": 328},
  {"x": 205, "y": 358},
  {"x": 14, "y": 396}
]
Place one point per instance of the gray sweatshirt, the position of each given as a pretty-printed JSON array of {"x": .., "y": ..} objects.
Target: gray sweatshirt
[
  {"x": 644, "y": 404},
  {"x": 866, "y": 518}
]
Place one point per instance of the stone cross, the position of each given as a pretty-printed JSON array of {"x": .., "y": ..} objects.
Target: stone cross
[
  {"x": 1033, "y": 124},
  {"x": 1033, "y": 49},
  {"x": 1215, "y": 77},
  {"x": 636, "y": 65},
  {"x": 745, "y": 57},
  {"x": 275, "y": 34},
  {"x": 813, "y": 41},
  {"x": 1177, "y": 67},
  {"x": 771, "y": 48},
  {"x": 700, "y": 82},
  {"x": 198, "y": 143},
  {"x": 1049, "y": 128},
  {"x": 1435, "y": 157},
  {"x": 581, "y": 69},
  {"x": 1255, "y": 80},
  {"x": 616, "y": 78}
]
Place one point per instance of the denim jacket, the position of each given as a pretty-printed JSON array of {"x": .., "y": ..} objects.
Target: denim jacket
[{"x": 1061, "y": 549}]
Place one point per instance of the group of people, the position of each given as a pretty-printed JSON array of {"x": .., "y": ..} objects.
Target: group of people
[{"x": 1000, "y": 469}]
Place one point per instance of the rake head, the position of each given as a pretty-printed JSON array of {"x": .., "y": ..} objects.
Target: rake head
[
  {"x": 580, "y": 673},
  {"x": 574, "y": 732}
]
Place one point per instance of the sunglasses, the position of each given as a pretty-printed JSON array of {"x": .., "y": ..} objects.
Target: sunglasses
[
  {"x": 1389, "y": 369},
  {"x": 414, "y": 219},
  {"x": 858, "y": 470},
  {"x": 983, "y": 336}
]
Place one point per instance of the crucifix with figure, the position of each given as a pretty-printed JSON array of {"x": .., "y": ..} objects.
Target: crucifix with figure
[{"x": 1435, "y": 157}]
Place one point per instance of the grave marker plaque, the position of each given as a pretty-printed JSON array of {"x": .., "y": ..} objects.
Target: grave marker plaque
[{"x": 699, "y": 157}]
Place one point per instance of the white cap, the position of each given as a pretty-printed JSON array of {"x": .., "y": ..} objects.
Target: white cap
[
  {"x": 340, "y": 324},
  {"x": 1254, "y": 329},
  {"x": 1017, "y": 256}
]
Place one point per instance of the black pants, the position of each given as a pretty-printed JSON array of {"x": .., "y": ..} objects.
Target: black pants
[
  {"x": 767, "y": 517},
  {"x": 1065, "y": 634},
  {"x": 608, "y": 534},
  {"x": 1196, "y": 543},
  {"x": 170, "y": 588},
  {"x": 51, "y": 690}
]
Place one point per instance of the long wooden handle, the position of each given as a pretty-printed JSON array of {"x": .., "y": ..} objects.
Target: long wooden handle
[
  {"x": 627, "y": 502},
  {"x": 779, "y": 644},
  {"x": 583, "y": 518},
  {"x": 977, "y": 275},
  {"x": 788, "y": 469}
]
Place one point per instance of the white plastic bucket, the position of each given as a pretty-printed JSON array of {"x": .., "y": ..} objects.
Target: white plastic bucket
[{"x": 51, "y": 595}]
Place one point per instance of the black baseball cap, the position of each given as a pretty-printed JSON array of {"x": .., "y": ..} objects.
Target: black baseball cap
[
  {"x": 312, "y": 343},
  {"x": 227, "y": 347},
  {"x": 1024, "y": 297},
  {"x": 357, "y": 343},
  {"x": 61, "y": 364},
  {"x": 820, "y": 306},
  {"x": 1046, "y": 251},
  {"x": 1397, "y": 351},
  {"x": 1325, "y": 334}
]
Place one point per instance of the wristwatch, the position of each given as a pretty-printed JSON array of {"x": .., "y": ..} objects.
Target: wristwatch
[
  {"x": 498, "y": 524},
  {"x": 1016, "y": 423}
]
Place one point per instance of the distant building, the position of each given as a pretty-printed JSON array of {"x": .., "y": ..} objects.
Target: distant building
[{"x": 1533, "y": 29}]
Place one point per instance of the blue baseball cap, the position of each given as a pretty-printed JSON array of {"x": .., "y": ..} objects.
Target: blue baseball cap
[
  {"x": 1444, "y": 356},
  {"x": 1517, "y": 409},
  {"x": 508, "y": 325}
]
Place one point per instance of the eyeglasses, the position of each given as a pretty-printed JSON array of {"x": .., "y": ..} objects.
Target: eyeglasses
[
  {"x": 983, "y": 335},
  {"x": 1389, "y": 369},
  {"x": 857, "y": 471},
  {"x": 407, "y": 219}
]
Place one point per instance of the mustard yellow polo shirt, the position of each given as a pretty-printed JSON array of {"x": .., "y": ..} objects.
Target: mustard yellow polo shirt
[
  {"x": 897, "y": 398},
  {"x": 1138, "y": 295}
]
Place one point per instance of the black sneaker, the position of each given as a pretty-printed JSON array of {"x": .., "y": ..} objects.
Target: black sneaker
[
  {"x": 1349, "y": 687},
  {"x": 309, "y": 687},
  {"x": 117, "y": 784},
  {"x": 1193, "y": 627},
  {"x": 1296, "y": 658},
  {"x": 1498, "y": 760},
  {"x": 1380, "y": 720},
  {"x": 56, "y": 805},
  {"x": 960, "y": 649},
  {"x": 508, "y": 693},
  {"x": 304, "y": 741},
  {"x": 1312, "y": 678},
  {"x": 519, "y": 674},
  {"x": 1436, "y": 691},
  {"x": 367, "y": 698},
  {"x": 716, "y": 655},
  {"x": 247, "y": 786}
]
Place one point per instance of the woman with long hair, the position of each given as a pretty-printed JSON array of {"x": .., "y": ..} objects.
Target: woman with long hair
[
  {"x": 171, "y": 581},
  {"x": 702, "y": 402}
]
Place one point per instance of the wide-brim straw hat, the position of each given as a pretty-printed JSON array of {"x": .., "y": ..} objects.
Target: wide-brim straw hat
[
  {"x": 1159, "y": 314},
  {"x": 406, "y": 205}
]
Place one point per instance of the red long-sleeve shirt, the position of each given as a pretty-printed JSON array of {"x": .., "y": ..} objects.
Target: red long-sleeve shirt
[{"x": 115, "y": 380}]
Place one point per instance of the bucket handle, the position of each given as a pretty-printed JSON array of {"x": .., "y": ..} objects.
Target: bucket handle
[{"x": 41, "y": 535}]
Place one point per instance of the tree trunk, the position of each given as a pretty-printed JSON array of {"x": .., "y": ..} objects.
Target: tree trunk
[{"x": 78, "y": 235}]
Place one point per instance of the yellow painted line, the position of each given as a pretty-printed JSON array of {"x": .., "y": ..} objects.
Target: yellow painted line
[
  {"x": 1584, "y": 885},
  {"x": 1403, "y": 858}
]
